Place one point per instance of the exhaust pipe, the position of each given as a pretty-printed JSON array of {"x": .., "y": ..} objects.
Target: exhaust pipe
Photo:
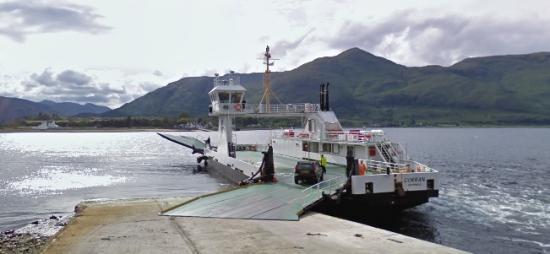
[
  {"x": 327, "y": 108},
  {"x": 322, "y": 97}
]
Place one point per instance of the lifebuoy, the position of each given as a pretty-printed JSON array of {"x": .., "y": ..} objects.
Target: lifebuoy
[{"x": 237, "y": 107}]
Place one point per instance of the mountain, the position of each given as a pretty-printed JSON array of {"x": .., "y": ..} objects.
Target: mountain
[
  {"x": 14, "y": 108},
  {"x": 71, "y": 108},
  {"x": 367, "y": 89}
]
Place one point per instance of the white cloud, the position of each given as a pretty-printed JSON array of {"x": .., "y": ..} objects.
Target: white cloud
[
  {"x": 155, "y": 42},
  {"x": 412, "y": 38},
  {"x": 23, "y": 18},
  {"x": 103, "y": 87}
]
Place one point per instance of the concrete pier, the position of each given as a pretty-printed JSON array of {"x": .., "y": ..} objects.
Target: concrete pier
[{"x": 133, "y": 226}]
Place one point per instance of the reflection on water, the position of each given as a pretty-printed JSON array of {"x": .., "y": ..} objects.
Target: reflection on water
[
  {"x": 49, "y": 173},
  {"x": 54, "y": 179}
]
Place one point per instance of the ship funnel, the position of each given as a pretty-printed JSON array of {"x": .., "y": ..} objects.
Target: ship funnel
[
  {"x": 327, "y": 107},
  {"x": 322, "y": 97}
]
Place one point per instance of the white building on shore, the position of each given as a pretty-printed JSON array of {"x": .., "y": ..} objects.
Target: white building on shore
[{"x": 45, "y": 125}]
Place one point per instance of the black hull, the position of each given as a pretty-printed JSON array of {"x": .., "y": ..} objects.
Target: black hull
[{"x": 382, "y": 202}]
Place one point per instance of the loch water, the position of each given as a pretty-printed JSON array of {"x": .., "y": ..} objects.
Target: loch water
[{"x": 494, "y": 194}]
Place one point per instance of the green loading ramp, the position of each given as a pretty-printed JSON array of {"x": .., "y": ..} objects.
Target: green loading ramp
[{"x": 282, "y": 200}]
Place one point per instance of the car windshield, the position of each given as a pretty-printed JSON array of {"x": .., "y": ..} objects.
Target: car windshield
[{"x": 305, "y": 165}]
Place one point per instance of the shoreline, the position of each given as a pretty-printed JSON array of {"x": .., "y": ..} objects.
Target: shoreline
[
  {"x": 76, "y": 130},
  {"x": 33, "y": 237},
  {"x": 122, "y": 130}
]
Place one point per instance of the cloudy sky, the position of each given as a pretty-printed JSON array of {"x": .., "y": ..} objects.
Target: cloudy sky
[{"x": 111, "y": 52}]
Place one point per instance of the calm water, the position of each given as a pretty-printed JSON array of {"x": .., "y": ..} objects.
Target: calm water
[
  {"x": 49, "y": 173},
  {"x": 494, "y": 195}
]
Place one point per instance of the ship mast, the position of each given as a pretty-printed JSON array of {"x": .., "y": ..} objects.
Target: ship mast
[{"x": 266, "y": 97}]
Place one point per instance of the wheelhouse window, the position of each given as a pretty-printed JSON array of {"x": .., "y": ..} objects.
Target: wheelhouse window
[
  {"x": 224, "y": 97},
  {"x": 236, "y": 97}
]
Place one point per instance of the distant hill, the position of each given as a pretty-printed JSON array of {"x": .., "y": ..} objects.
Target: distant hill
[
  {"x": 367, "y": 89},
  {"x": 71, "y": 108},
  {"x": 14, "y": 108}
]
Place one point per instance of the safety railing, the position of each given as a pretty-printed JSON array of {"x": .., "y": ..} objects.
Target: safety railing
[
  {"x": 381, "y": 167},
  {"x": 314, "y": 191},
  {"x": 333, "y": 136},
  {"x": 351, "y": 136},
  {"x": 354, "y": 135},
  {"x": 419, "y": 167},
  {"x": 246, "y": 108}
]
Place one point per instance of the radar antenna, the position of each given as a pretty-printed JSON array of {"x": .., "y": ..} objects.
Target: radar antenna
[{"x": 266, "y": 97}]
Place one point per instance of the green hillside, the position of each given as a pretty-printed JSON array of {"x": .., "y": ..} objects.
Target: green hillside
[
  {"x": 15, "y": 108},
  {"x": 370, "y": 90}
]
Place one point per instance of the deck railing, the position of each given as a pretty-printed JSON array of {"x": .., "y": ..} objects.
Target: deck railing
[
  {"x": 329, "y": 186},
  {"x": 351, "y": 136},
  {"x": 340, "y": 136},
  {"x": 246, "y": 108},
  {"x": 381, "y": 167}
]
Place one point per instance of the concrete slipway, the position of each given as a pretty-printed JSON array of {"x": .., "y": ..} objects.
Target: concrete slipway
[{"x": 134, "y": 226}]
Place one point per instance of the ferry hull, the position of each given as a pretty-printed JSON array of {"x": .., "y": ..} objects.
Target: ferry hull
[{"x": 381, "y": 201}]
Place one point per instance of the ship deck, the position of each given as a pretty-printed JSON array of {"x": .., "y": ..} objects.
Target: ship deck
[{"x": 282, "y": 200}]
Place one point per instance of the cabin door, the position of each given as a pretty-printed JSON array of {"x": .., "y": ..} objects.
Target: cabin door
[{"x": 350, "y": 149}]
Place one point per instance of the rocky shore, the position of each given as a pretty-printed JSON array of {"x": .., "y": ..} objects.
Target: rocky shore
[
  {"x": 11, "y": 242},
  {"x": 33, "y": 237}
]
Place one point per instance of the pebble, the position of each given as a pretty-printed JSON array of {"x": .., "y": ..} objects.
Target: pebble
[
  {"x": 8, "y": 232},
  {"x": 11, "y": 242},
  {"x": 60, "y": 224},
  {"x": 29, "y": 239}
]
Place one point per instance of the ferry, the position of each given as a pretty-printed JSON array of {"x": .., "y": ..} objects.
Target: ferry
[{"x": 367, "y": 169}]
